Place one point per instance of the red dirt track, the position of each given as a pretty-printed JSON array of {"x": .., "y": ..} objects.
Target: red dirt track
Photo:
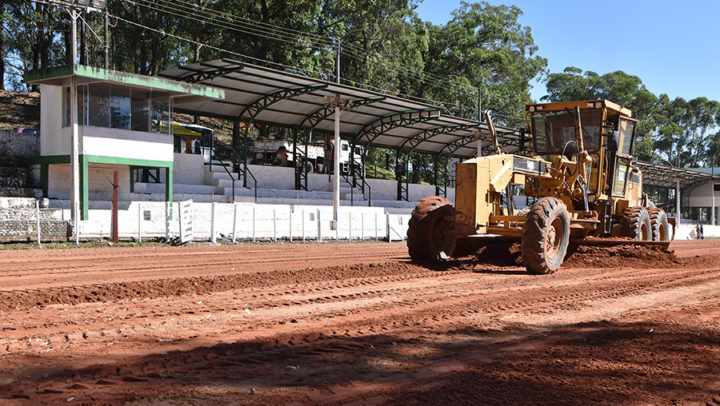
[{"x": 358, "y": 324}]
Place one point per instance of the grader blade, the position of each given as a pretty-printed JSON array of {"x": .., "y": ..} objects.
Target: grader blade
[{"x": 614, "y": 241}]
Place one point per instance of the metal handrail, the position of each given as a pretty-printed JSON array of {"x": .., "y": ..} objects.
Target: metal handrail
[
  {"x": 254, "y": 181},
  {"x": 363, "y": 185},
  {"x": 229, "y": 174},
  {"x": 369, "y": 189},
  {"x": 225, "y": 166}
]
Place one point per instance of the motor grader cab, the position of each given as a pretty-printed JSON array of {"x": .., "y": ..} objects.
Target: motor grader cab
[{"x": 578, "y": 182}]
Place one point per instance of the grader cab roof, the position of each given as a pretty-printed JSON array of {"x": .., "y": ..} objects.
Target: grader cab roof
[{"x": 585, "y": 104}]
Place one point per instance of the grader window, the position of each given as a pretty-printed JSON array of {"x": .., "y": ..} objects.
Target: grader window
[
  {"x": 621, "y": 175},
  {"x": 554, "y": 131},
  {"x": 627, "y": 131}
]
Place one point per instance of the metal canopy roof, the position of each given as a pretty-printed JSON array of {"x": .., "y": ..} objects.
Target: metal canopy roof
[
  {"x": 667, "y": 176},
  {"x": 259, "y": 94}
]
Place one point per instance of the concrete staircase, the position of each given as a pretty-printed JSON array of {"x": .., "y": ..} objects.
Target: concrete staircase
[
  {"x": 18, "y": 221},
  {"x": 220, "y": 189}
]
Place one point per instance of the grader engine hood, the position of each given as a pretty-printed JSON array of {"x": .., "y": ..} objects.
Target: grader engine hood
[{"x": 482, "y": 181}]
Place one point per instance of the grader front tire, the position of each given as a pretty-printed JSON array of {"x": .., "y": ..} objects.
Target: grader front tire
[
  {"x": 546, "y": 236},
  {"x": 428, "y": 236}
]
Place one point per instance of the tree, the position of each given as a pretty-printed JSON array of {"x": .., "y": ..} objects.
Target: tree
[{"x": 483, "y": 47}]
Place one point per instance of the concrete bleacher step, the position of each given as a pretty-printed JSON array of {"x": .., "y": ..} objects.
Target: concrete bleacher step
[
  {"x": 16, "y": 202},
  {"x": 398, "y": 210},
  {"x": 178, "y": 188},
  {"x": 393, "y": 204},
  {"x": 308, "y": 202},
  {"x": 20, "y": 192}
]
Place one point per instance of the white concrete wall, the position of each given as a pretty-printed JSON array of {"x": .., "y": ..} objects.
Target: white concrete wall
[
  {"x": 118, "y": 143},
  {"x": 99, "y": 182},
  {"x": 258, "y": 222},
  {"x": 701, "y": 196},
  {"x": 53, "y": 140},
  {"x": 189, "y": 169},
  {"x": 273, "y": 177}
]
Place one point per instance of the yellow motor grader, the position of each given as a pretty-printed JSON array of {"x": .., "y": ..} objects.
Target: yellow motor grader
[{"x": 579, "y": 184}]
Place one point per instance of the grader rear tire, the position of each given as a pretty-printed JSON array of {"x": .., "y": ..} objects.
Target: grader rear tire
[
  {"x": 636, "y": 224},
  {"x": 659, "y": 225},
  {"x": 428, "y": 236},
  {"x": 546, "y": 236}
]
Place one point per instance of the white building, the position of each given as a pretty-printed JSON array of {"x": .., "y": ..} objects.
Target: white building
[
  {"x": 123, "y": 124},
  {"x": 705, "y": 196}
]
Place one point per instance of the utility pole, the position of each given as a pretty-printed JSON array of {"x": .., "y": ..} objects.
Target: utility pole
[
  {"x": 337, "y": 64},
  {"x": 337, "y": 102},
  {"x": 106, "y": 43},
  {"x": 75, "y": 144},
  {"x": 74, "y": 7}
]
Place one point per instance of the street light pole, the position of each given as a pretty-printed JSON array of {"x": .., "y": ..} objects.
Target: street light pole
[{"x": 712, "y": 188}]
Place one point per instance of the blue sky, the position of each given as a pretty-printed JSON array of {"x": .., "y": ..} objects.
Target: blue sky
[{"x": 673, "y": 46}]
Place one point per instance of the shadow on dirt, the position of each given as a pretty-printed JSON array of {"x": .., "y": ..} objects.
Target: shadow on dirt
[{"x": 593, "y": 363}]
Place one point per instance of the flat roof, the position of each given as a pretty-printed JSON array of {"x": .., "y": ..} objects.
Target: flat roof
[
  {"x": 60, "y": 76},
  {"x": 554, "y": 106},
  {"x": 668, "y": 176},
  {"x": 260, "y": 94}
]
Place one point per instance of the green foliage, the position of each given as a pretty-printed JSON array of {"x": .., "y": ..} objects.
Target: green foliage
[{"x": 483, "y": 47}]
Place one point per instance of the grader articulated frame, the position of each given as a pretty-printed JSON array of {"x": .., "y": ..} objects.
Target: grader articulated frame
[{"x": 579, "y": 183}]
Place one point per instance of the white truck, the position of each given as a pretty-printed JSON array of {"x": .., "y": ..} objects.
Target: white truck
[{"x": 280, "y": 153}]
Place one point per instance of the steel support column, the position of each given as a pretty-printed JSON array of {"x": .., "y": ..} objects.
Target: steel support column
[{"x": 678, "y": 197}]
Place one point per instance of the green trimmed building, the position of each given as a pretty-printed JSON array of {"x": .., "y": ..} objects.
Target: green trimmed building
[{"x": 124, "y": 122}]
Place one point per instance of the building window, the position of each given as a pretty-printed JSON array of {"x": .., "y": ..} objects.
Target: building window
[
  {"x": 716, "y": 187},
  {"x": 125, "y": 108},
  {"x": 120, "y": 107},
  {"x": 139, "y": 109},
  {"x": 99, "y": 105},
  {"x": 160, "y": 113},
  {"x": 82, "y": 106}
]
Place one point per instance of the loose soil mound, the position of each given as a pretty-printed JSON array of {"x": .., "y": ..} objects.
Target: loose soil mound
[
  {"x": 614, "y": 256},
  {"x": 586, "y": 256}
]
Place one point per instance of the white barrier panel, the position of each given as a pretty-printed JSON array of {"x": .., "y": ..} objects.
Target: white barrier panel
[
  {"x": 186, "y": 221},
  {"x": 245, "y": 221},
  {"x": 397, "y": 226}
]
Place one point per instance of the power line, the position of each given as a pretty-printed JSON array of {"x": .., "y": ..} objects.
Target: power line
[
  {"x": 184, "y": 13},
  {"x": 286, "y": 39}
]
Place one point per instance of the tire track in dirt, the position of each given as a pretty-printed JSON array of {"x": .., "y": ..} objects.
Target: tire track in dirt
[
  {"x": 348, "y": 332},
  {"x": 374, "y": 300}
]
